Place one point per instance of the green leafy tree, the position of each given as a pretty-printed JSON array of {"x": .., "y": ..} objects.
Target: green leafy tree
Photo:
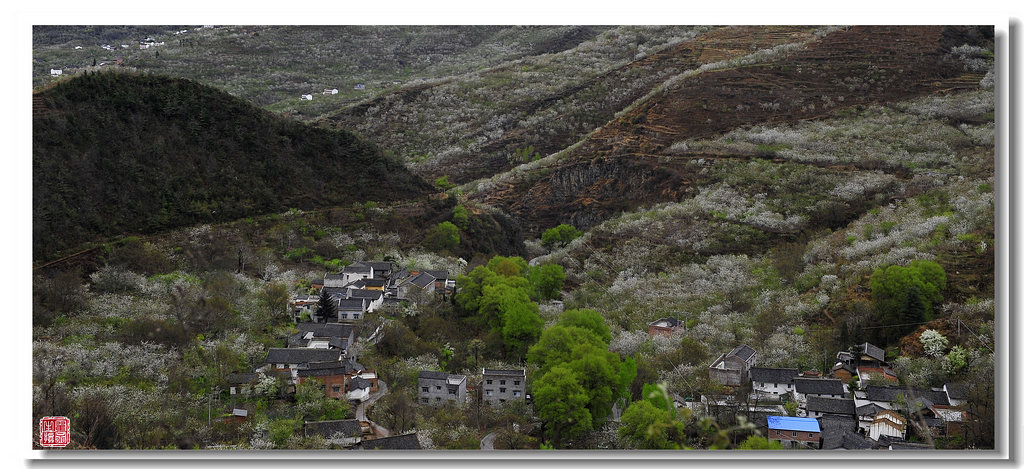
[
  {"x": 559, "y": 236},
  {"x": 444, "y": 237},
  {"x": 556, "y": 343},
  {"x": 500, "y": 296},
  {"x": 906, "y": 295},
  {"x": 561, "y": 402},
  {"x": 521, "y": 325},
  {"x": 442, "y": 183},
  {"x": 460, "y": 217},
  {"x": 508, "y": 266},
  {"x": 281, "y": 431},
  {"x": 604, "y": 377},
  {"x": 587, "y": 319},
  {"x": 650, "y": 427},
  {"x": 759, "y": 442},
  {"x": 547, "y": 280},
  {"x": 471, "y": 288}
]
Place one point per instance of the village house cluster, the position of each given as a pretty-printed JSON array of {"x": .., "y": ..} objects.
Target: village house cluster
[
  {"x": 322, "y": 350},
  {"x": 858, "y": 406}
]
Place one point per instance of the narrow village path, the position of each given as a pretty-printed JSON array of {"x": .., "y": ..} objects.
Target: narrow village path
[
  {"x": 487, "y": 442},
  {"x": 382, "y": 389}
]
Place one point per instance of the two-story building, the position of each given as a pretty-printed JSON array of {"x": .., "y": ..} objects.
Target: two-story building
[
  {"x": 775, "y": 381},
  {"x": 503, "y": 385},
  {"x": 794, "y": 431},
  {"x": 732, "y": 369},
  {"x": 436, "y": 387}
]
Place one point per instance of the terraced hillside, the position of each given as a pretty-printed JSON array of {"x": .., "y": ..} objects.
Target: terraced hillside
[
  {"x": 478, "y": 124},
  {"x": 629, "y": 161}
]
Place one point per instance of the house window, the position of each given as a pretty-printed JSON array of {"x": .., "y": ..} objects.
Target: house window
[
  {"x": 425, "y": 400},
  {"x": 489, "y": 392},
  {"x": 337, "y": 388},
  {"x": 343, "y": 315},
  {"x": 437, "y": 388},
  {"x": 776, "y": 385},
  {"x": 516, "y": 393},
  {"x": 810, "y": 435},
  {"x": 501, "y": 390},
  {"x": 280, "y": 366},
  {"x": 451, "y": 392},
  {"x": 426, "y": 389},
  {"x": 355, "y": 315},
  {"x": 501, "y": 400},
  {"x": 794, "y": 434},
  {"x": 502, "y": 381},
  {"x": 437, "y": 399},
  {"x": 516, "y": 382},
  {"x": 490, "y": 381}
]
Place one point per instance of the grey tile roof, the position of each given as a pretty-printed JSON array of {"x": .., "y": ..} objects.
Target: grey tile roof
[
  {"x": 368, "y": 294},
  {"x": 333, "y": 291},
  {"x": 334, "y": 369},
  {"x": 742, "y": 351},
  {"x": 666, "y": 322},
  {"x": 492, "y": 372},
  {"x": 333, "y": 277},
  {"x": 421, "y": 280},
  {"x": 848, "y": 440},
  {"x": 844, "y": 366},
  {"x": 409, "y": 441},
  {"x": 437, "y": 274},
  {"x": 241, "y": 378},
  {"x": 356, "y": 268},
  {"x": 871, "y": 351},
  {"x": 829, "y": 405},
  {"x": 889, "y": 393},
  {"x": 774, "y": 375},
  {"x": 328, "y": 428},
  {"x": 819, "y": 386},
  {"x": 350, "y": 304},
  {"x": 301, "y": 355},
  {"x": 957, "y": 390},
  {"x": 324, "y": 330},
  {"x": 869, "y": 409},
  {"x": 833, "y": 428},
  {"x": 359, "y": 383}
]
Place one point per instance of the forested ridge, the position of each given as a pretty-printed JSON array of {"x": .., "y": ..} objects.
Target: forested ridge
[{"x": 125, "y": 153}]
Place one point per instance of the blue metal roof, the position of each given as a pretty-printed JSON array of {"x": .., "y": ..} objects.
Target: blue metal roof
[{"x": 800, "y": 424}]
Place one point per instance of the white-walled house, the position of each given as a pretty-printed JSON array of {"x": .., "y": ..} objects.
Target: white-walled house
[
  {"x": 775, "y": 381},
  {"x": 888, "y": 423},
  {"x": 56, "y": 72},
  {"x": 330, "y": 91},
  {"x": 820, "y": 387},
  {"x": 357, "y": 271},
  {"x": 306, "y": 97},
  {"x": 358, "y": 389}
]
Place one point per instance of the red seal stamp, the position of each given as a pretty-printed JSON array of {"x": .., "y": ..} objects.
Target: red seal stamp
[{"x": 54, "y": 432}]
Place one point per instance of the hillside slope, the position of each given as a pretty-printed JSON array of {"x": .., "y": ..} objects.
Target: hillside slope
[
  {"x": 628, "y": 162},
  {"x": 117, "y": 153}
]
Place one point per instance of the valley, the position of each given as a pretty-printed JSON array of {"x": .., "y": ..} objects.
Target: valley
[{"x": 668, "y": 237}]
